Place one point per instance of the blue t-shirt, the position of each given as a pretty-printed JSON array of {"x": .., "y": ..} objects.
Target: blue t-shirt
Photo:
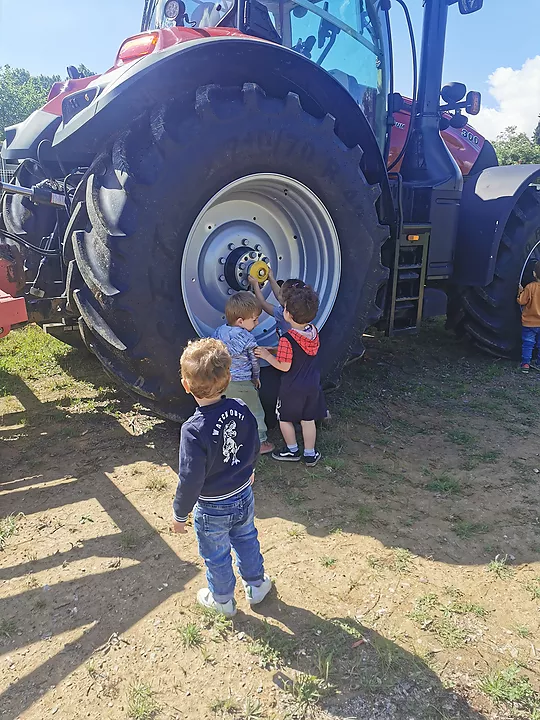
[
  {"x": 241, "y": 345},
  {"x": 219, "y": 445}
]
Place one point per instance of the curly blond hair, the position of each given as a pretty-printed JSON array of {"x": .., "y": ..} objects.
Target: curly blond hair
[{"x": 206, "y": 366}]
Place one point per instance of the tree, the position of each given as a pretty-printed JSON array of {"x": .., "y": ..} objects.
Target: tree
[
  {"x": 21, "y": 94},
  {"x": 515, "y": 148},
  {"x": 536, "y": 133}
]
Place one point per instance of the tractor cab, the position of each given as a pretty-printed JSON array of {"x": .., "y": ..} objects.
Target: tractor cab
[{"x": 347, "y": 39}]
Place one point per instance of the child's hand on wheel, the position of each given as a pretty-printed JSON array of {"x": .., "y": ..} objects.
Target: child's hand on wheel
[{"x": 252, "y": 281}]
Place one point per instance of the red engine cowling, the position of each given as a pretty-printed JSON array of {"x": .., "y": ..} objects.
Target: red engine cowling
[{"x": 464, "y": 145}]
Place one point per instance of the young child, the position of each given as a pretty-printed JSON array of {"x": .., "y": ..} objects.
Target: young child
[
  {"x": 301, "y": 399},
  {"x": 281, "y": 293},
  {"x": 242, "y": 313},
  {"x": 218, "y": 449},
  {"x": 529, "y": 299}
]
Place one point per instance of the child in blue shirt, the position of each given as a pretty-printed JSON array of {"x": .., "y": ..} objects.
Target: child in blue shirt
[
  {"x": 242, "y": 312},
  {"x": 219, "y": 445}
]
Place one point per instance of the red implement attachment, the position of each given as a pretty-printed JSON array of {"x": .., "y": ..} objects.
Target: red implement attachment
[{"x": 12, "y": 309}]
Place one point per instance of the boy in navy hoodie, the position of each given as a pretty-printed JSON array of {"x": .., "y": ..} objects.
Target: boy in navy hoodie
[{"x": 218, "y": 448}]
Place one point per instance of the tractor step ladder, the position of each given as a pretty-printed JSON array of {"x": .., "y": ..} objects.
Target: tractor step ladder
[{"x": 408, "y": 279}]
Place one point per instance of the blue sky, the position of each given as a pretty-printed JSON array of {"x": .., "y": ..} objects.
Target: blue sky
[{"x": 46, "y": 35}]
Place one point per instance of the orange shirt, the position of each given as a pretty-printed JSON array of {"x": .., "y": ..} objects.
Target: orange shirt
[{"x": 529, "y": 299}]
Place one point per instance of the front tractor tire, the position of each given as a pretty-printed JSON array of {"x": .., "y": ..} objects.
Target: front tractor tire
[
  {"x": 490, "y": 315},
  {"x": 176, "y": 199}
]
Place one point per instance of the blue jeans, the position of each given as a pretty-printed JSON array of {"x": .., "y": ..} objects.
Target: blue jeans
[
  {"x": 220, "y": 525},
  {"x": 530, "y": 336}
]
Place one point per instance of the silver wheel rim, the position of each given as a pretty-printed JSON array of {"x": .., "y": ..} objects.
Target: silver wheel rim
[{"x": 271, "y": 217}]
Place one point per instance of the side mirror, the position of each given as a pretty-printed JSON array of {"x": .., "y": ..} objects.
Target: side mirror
[
  {"x": 73, "y": 73},
  {"x": 467, "y": 7},
  {"x": 396, "y": 102},
  {"x": 473, "y": 102},
  {"x": 453, "y": 92}
]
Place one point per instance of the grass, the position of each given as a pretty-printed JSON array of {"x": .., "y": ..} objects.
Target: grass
[
  {"x": 8, "y": 627},
  {"x": 190, "y": 635},
  {"x": 141, "y": 702},
  {"x": 511, "y": 688},
  {"x": 156, "y": 484},
  {"x": 460, "y": 437},
  {"x": 401, "y": 561},
  {"x": 465, "y": 529},
  {"x": 499, "y": 567},
  {"x": 224, "y": 706},
  {"x": 296, "y": 533},
  {"x": 272, "y": 647},
  {"x": 306, "y": 691},
  {"x": 328, "y": 561},
  {"x": 8, "y": 527},
  {"x": 212, "y": 620},
  {"x": 129, "y": 540},
  {"x": 458, "y": 607},
  {"x": 363, "y": 515},
  {"x": 444, "y": 484},
  {"x": 534, "y": 588},
  {"x": 252, "y": 710},
  {"x": 522, "y": 631}
]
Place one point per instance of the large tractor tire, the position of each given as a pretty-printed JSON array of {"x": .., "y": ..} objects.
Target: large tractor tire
[
  {"x": 170, "y": 211},
  {"x": 490, "y": 315}
]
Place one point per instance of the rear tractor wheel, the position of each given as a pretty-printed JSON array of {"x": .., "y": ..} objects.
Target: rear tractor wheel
[
  {"x": 490, "y": 316},
  {"x": 186, "y": 200}
]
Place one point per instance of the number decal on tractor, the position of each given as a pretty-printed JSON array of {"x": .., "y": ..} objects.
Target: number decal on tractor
[{"x": 471, "y": 137}]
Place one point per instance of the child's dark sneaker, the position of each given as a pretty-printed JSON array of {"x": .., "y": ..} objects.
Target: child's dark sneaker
[
  {"x": 525, "y": 367},
  {"x": 287, "y": 455},
  {"x": 312, "y": 460},
  {"x": 207, "y": 600},
  {"x": 255, "y": 595}
]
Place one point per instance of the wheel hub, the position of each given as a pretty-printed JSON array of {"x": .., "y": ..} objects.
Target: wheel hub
[
  {"x": 254, "y": 223},
  {"x": 242, "y": 262}
]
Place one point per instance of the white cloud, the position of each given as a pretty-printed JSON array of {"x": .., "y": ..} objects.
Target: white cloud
[{"x": 517, "y": 94}]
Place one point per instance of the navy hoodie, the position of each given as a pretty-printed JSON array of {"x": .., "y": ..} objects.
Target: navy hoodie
[{"x": 218, "y": 448}]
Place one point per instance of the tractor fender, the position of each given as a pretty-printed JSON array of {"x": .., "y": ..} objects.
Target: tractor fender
[
  {"x": 177, "y": 72},
  {"x": 486, "y": 204}
]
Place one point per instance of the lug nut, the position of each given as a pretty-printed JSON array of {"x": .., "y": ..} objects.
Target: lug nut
[
  {"x": 222, "y": 261},
  {"x": 252, "y": 255},
  {"x": 230, "y": 291},
  {"x": 231, "y": 246},
  {"x": 266, "y": 260},
  {"x": 222, "y": 278},
  {"x": 242, "y": 266},
  {"x": 258, "y": 248},
  {"x": 245, "y": 241}
]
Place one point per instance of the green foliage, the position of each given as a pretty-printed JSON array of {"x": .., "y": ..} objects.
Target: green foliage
[
  {"x": 515, "y": 148},
  {"x": 22, "y": 93}
]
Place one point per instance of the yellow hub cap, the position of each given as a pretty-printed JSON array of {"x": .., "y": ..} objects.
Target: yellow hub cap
[{"x": 259, "y": 270}]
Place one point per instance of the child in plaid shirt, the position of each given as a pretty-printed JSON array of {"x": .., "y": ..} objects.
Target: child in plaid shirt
[{"x": 301, "y": 399}]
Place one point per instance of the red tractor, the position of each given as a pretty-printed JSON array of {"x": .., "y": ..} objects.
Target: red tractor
[{"x": 248, "y": 133}]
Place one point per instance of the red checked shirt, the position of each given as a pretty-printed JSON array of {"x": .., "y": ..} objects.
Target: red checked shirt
[{"x": 308, "y": 340}]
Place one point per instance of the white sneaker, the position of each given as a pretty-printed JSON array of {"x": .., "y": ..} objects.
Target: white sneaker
[
  {"x": 206, "y": 599},
  {"x": 255, "y": 595}
]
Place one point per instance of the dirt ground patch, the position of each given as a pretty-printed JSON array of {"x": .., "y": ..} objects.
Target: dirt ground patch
[{"x": 406, "y": 564}]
